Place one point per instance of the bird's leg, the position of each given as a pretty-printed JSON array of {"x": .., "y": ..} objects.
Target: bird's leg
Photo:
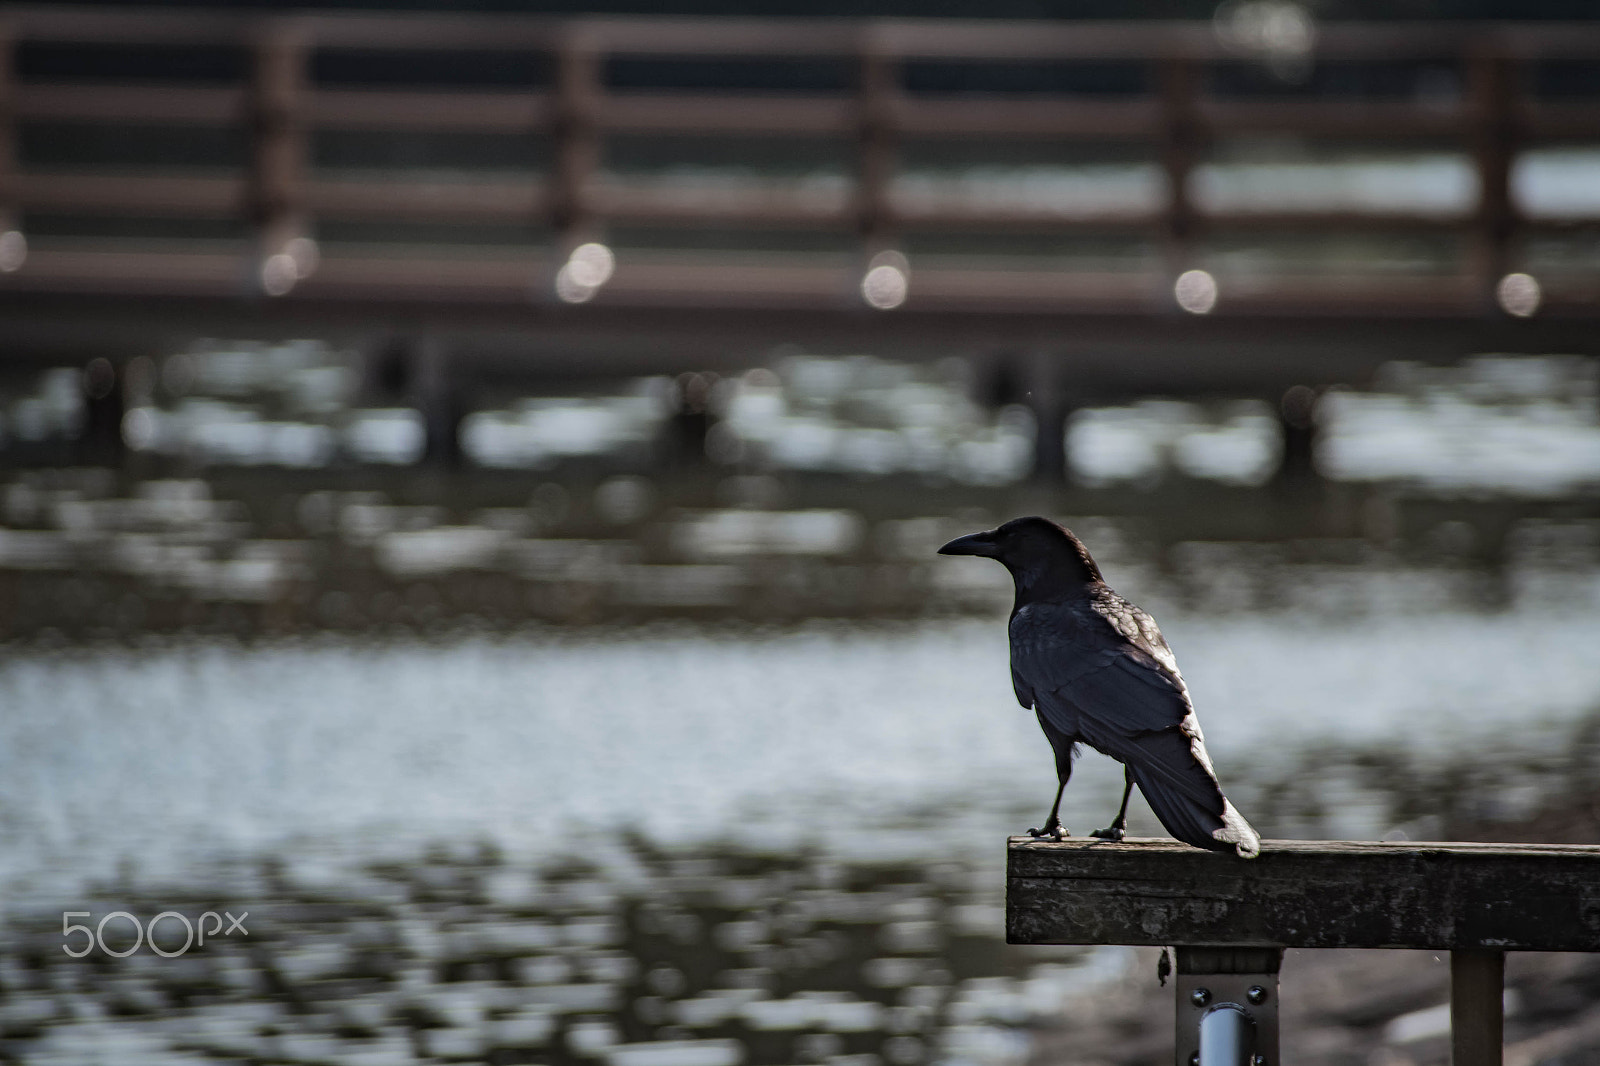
[
  {"x": 1117, "y": 829},
  {"x": 1053, "y": 829}
]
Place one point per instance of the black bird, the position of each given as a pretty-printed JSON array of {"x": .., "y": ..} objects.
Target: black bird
[{"x": 1096, "y": 671}]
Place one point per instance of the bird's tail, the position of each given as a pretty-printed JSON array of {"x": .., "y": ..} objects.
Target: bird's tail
[{"x": 1177, "y": 781}]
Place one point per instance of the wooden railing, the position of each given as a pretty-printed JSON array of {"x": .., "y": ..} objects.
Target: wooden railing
[
  {"x": 1230, "y": 919},
  {"x": 283, "y": 199}
]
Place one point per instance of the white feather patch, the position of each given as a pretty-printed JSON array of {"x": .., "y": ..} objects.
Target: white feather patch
[{"x": 1236, "y": 831}]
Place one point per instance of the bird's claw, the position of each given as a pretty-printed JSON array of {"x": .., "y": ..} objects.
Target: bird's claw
[
  {"x": 1109, "y": 833},
  {"x": 1052, "y": 830}
]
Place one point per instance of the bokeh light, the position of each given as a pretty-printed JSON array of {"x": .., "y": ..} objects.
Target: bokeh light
[
  {"x": 279, "y": 272},
  {"x": 1519, "y": 295},
  {"x": 1196, "y": 291},
  {"x": 588, "y": 268},
  {"x": 592, "y": 264},
  {"x": 305, "y": 253},
  {"x": 887, "y": 281},
  {"x": 13, "y": 251}
]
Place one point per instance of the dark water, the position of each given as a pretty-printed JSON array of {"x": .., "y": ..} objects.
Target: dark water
[
  {"x": 676, "y": 845},
  {"x": 700, "y": 767}
]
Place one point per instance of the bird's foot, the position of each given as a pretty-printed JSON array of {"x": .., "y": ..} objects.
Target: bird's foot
[
  {"x": 1111, "y": 832},
  {"x": 1053, "y": 830}
]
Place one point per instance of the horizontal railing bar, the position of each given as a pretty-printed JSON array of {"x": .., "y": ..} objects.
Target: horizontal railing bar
[
  {"x": 1134, "y": 119},
  {"x": 491, "y": 200},
  {"x": 1364, "y": 119},
  {"x": 1000, "y": 218},
  {"x": 176, "y": 104},
  {"x": 1338, "y": 219},
  {"x": 499, "y": 201},
  {"x": 735, "y": 279},
  {"x": 1306, "y": 894},
  {"x": 1557, "y": 224},
  {"x": 929, "y": 39},
  {"x": 1564, "y": 121},
  {"x": 636, "y": 112},
  {"x": 465, "y": 112},
  {"x": 688, "y": 204},
  {"x": 180, "y": 196},
  {"x": 1138, "y": 118}
]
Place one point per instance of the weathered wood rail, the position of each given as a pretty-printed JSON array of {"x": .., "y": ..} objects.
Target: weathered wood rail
[{"x": 1230, "y": 919}]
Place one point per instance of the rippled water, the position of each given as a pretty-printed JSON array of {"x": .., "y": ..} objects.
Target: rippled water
[
  {"x": 661, "y": 846},
  {"x": 152, "y": 755}
]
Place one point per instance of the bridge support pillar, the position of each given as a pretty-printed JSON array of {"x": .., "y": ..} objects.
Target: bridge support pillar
[
  {"x": 1297, "y": 420},
  {"x": 1046, "y": 397},
  {"x": 434, "y": 391},
  {"x": 104, "y": 404},
  {"x": 1050, "y": 443}
]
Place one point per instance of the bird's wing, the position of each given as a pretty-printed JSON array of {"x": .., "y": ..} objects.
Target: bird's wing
[
  {"x": 1090, "y": 679},
  {"x": 1099, "y": 671}
]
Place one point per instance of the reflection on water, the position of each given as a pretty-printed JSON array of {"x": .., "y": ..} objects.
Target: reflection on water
[
  {"x": 1520, "y": 427},
  {"x": 617, "y": 953},
  {"x": 96, "y": 552},
  {"x": 1492, "y": 424}
]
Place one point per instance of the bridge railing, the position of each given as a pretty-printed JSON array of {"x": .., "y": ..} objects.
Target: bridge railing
[
  {"x": 1231, "y": 919},
  {"x": 280, "y": 107}
]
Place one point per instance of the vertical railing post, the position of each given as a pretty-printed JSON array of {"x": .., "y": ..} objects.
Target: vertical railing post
[
  {"x": 876, "y": 146},
  {"x": 277, "y": 206},
  {"x": 13, "y": 246},
  {"x": 1178, "y": 85},
  {"x": 1477, "y": 1017},
  {"x": 578, "y": 90},
  {"x": 1492, "y": 77}
]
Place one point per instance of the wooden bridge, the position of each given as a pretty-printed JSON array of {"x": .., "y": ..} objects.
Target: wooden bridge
[{"x": 243, "y": 247}]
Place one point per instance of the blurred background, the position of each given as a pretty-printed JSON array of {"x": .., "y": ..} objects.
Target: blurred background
[{"x": 469, "y": 482}]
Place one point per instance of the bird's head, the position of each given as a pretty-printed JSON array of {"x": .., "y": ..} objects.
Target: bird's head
[{"x": 1037, "y": 551}]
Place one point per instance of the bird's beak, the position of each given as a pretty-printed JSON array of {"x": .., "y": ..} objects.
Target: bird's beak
[{"x": 971, "y": 544}]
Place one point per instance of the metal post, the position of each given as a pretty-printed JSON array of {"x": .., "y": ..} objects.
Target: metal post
[
  {"x": 1227, "y": 1036},
  {"x": 1227, "y": 1006},
  {"x": 1477, "y": 1017}
]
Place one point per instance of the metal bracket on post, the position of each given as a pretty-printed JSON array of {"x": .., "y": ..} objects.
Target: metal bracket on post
[{"x": 1227, "y": 1009}]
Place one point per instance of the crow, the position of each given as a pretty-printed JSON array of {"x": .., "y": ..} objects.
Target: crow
[{"x": 1096, "y": 671}]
